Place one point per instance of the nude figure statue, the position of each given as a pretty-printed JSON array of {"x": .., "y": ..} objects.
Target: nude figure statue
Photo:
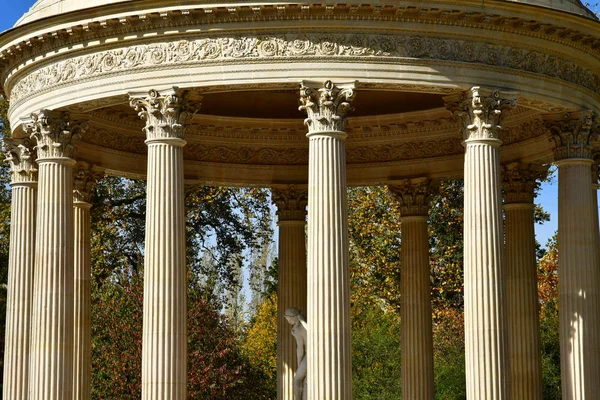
[{"x": 299, "y": 332}]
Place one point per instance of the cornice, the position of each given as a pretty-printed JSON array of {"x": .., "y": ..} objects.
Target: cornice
[
  {"x": 164, "y": 16},
  {"x": 69, "y": 35}
]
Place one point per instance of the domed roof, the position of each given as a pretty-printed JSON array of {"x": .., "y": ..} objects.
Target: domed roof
[
  {"x": 47, "y": 8},
  {"x": 572, "y": 6}
]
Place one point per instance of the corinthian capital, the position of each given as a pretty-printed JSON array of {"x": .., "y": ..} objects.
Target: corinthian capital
[
  {"x": 20, "y": 154},
  {"x": 326, "y": 107},
  {"x": 414, "y": 196},
  {"x": 291, "y": 203},
  {"x": 85, "y": 179},
  {"x": 574, "y": 135},
  {"x": 164, "y": 113},
  {"x": 480, "y": 110},
  {"x": 520, "y": 181},
  {"x": 54, "y": 133}
]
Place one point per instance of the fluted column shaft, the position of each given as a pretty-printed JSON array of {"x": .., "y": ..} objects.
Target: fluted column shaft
[
  {"x": 328, "y": 349},
  {"x": 51, "y": 353},
  {"x": 579, "y": 281},
  {"x": 291, "y": 293},
  {"x": 20, "y": 273},
  {"x": 85, "y": 179},
  {"x": 164, "y": 346},
  {"x": 291, "y": 288},
  {"x": 415, "y": 290},
  {"x": 579, "y": 254},
  {"x": 82, "y": 340},
  {"x": 485, "y": 317},
  {"x": 485, "y": 302},
  {"x": 329, "y": 363},
  {"x": 524, "y": 354},
  {"x": 522, "y": 303},
  {"x": 51, "y": 363}
]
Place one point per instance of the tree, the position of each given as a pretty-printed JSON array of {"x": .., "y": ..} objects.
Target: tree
[
  {"x": 374, "y": 233},
  {"x": 260, "y": 344},
  {"x": 5, "y": 196},
  {"x": 549, "y": 321},
  {"x": 217, "y": 368}
]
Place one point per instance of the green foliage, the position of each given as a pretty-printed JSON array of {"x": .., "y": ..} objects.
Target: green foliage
[
  {"x": 118, "y": 227},
  {"x": 549, "y": 326},
  {"x": 260, "y": 344},
  {"x": 449, "y": 354},
  {"x": 375, "y": 353},
  {"x": 223, "y": 223},
  {"x": 449, "y": 369},
  {"x": 224, "y": 227},
  {"x": 549, "y": 321},
  {"x": 117, "y": 310},
  {"x": 217, "y": 368},
  {"x": 5, "y": 196},
  {"x": 374, "y": 233},
  {"x": 446, "y": 247}
]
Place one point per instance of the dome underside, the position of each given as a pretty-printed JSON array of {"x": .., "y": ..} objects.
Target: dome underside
[
  {"x": 47, "y": 8},
  {"x": 571, "y": 6}
]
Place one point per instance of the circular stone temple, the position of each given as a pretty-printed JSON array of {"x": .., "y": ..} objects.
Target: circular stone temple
[{"x": 306, "y": 98}]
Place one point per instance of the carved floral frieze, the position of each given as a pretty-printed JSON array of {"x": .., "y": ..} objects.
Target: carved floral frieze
[
  {"x": 404, "y": 151},
  {"x": 246, "y": 154},
  {"x": 352, "y": 47},
  {"x": 295, "y": 151}
]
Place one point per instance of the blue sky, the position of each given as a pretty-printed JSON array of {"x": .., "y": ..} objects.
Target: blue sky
[{"x": 12, "y": 11}]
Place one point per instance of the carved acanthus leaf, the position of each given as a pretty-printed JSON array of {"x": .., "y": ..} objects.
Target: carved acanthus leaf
[
  {"x": 521, "y": 181},
  {"x": 54, "y": 133},
  {"x": 414, "y": 196},
  {"x": 327, "y": 107},
  {"x": 20, "y": 154},
  {"x": 481, "y": 111},
  {"x": 291, "y": 203},
  {"x": 85, "y": 179},
  {"x": 574, "y": 135},
  {"x": 164, "y": 113}
]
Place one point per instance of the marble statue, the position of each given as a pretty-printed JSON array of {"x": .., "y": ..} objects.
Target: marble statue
[{"x": 299, "y": 331}]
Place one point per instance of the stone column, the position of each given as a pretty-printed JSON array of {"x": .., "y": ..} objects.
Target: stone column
[
  {"x": 19, "y": 153},
  {"x": 291, "y": 290},
  {"x": 328, "y": 350},
  {"x": 415, "y": 291},
  {"x": 51, "y": 353},
  {"x": 164, "y": 347},
  {"x": 485, "y": 302},
  {"x": 84, "y": 180},
  {"x": 524, "y": 356},
  {"x": 579, "y": 275},
  {"x": 595, "y": 188}
]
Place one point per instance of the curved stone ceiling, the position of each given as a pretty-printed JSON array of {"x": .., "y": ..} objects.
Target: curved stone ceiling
[{"x": 47, "y": 8}]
